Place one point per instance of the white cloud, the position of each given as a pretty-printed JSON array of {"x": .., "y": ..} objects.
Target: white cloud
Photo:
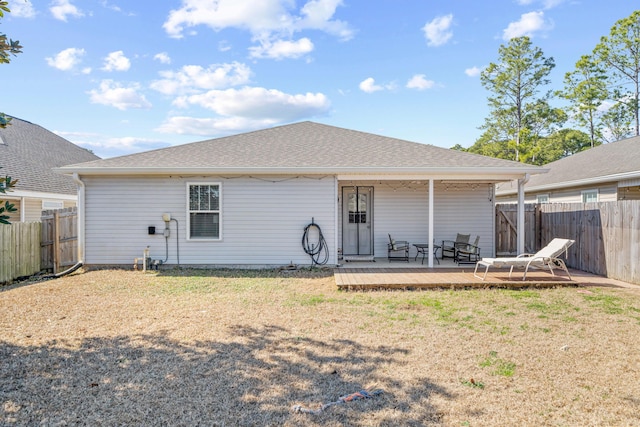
[
  {"x": 258, "y": 103},
  {"x": 190, "y": 78},
  {"x": 163, "y": 58},
  {"x": 22, "y": 9},
  {"x": 369, "y": 85},
  {"x": 547, "y": 4},
  {"x": 528, "y": 24},
  {"x": 116, "y": 61},
  {"x": 106, "y": 146},
  {"x": 317, "y": 16},
  {"x": 420, "y": 82},
  {"x": 550, "y": 4},
  {"x": 116, "y": 95},
  {"x": 438, "y": 31},
  {"x": 282, "y": 49},
  {"x": 267, "y": 20},
  {"x": 63, "y": 8},
  {"x": 473, "y": 71},
  {"x": 212, "y": 126},
  {"x": 67, "y": 59}
]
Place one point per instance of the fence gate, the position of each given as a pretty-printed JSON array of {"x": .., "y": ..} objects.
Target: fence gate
[
  {"x": 507, "y": 232},
  {"x": 59, "y": 247}
]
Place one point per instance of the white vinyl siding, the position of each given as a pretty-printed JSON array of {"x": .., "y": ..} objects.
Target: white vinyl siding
[
  {"x": 33, "y": 209},
  {"x": 263, "y": 220},
  {"x": 606, "y": 193},
  {"x": 465, "y": 209}
]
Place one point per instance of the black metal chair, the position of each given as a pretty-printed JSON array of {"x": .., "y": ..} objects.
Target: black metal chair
[
  {"x": 469, "y": 253},
  {"x": 397, "y": 250},
  {"x": 449, "y": 247}
]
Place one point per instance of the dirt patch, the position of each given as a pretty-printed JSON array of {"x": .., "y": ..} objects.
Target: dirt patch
[{"x": 244, "y": 348}]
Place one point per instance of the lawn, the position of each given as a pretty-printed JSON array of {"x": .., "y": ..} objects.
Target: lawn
[{"x": 230, "y": 348}]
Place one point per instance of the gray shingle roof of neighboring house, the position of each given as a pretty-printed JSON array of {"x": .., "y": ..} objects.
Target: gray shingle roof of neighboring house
[
  {"x": 610, "y": 162},
  {"x": 305, "y": 146},
  {"x": 28, "y": 152}
]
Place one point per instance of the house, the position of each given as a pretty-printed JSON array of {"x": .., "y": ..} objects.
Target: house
[
  {"x": 605, "y": 173},
  {"x": 245, "y": 200},
  {"x": 28, "y": 153}
]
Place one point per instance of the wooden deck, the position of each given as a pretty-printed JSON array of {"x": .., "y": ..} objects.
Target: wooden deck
[{"x": 456, "y": 278}]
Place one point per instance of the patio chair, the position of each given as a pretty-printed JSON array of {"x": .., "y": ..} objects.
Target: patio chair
[
  {"x": 545, "y": 258},
  {"x": 468, "y": 254},
  {"x": 449, "y": 246},
  {"x": 397, "y": 250}
]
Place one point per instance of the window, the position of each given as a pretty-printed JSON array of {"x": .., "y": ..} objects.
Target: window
[
  {"x": 52, "y": 204},
  {"x": 204, "y": 211},
  {"x": 542, "y": 198},
  {"x": 589, "y": 196}
]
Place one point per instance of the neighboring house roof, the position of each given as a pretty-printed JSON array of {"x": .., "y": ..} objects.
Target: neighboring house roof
[
  {"x": 28, "y": 152},
  {"x": 615, "y": 161},
  {"x": 304, "y": 147}
]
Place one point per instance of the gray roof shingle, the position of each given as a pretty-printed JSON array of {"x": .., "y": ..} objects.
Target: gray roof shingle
[
  {"x": 302, "y": 145},
  {"x": 28, "y": 152},
  {"x": 606, "y": 162}
]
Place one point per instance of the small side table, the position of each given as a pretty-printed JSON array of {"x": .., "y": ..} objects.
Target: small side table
[{"x": 422, "y": 249}]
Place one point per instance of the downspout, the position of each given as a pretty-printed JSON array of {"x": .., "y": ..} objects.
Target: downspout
[{"x": 520, "y": 223}]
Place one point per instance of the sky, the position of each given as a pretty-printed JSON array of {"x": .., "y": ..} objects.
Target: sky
[{"x": 120, "y": 77}]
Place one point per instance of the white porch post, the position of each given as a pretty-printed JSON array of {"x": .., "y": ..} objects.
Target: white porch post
[
  {"x": 520, "y": 223},
  {"x": 23, "y": 209},
  {"x": 431, "y": 223}
]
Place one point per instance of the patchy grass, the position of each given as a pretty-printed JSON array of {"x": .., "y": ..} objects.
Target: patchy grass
[{"x": 227, "y": 347}]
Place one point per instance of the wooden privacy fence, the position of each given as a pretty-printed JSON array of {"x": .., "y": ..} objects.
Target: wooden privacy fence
[
  {"x": 19, "y": 250},
  {"x": 27, "y": 248},
  {"x": 607, "y": 234},
  {"x": 59, "y": 239}
]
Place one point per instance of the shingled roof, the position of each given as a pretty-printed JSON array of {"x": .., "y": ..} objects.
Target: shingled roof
[
  {"x": 610, "y": 162},
  {"x": 307, "y": 147},
  {"x": 29, "y": 152}
]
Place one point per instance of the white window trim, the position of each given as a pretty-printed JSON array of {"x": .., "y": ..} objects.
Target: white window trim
[
  {"x": 543, "y": 195},
  {"x": 584, "y": 193},
  {"x": 188, "y": 211},
  {"x": 52, "y": 204}
]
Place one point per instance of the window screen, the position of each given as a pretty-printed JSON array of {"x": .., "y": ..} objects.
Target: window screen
[{"x": 204, "y": 211}]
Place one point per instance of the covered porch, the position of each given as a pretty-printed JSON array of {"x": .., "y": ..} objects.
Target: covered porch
[{"x": 418, "y": 209}]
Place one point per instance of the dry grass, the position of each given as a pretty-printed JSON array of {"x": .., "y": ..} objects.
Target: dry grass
[{"x": 242, "y": 348}]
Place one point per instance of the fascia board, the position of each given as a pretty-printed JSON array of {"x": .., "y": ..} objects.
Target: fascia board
[
  {"x": 424, "y": 173},
  {"x": 17, "y": 194}
]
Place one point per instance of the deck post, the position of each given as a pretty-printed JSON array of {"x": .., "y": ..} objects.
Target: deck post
[{"x": 431, "y": 238}]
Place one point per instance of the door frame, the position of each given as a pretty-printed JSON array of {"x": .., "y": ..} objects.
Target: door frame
[{"x": 370, "y": 222}]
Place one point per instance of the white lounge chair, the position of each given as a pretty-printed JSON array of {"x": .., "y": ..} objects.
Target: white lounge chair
[{"x": 547, "y": 257}]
